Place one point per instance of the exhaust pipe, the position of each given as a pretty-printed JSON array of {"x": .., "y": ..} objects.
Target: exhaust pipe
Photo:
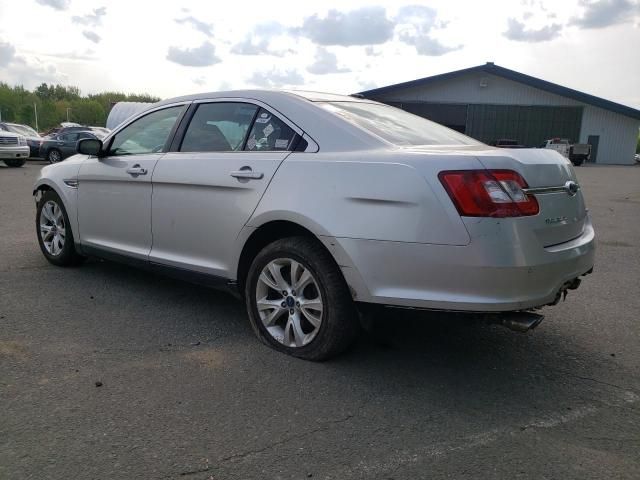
[{"x": 521, "y": 321}]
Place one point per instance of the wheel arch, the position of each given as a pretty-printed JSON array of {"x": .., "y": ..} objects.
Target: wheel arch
[
  {"x": 46, "y": 185},
  {"x": 274, "y": 229}
]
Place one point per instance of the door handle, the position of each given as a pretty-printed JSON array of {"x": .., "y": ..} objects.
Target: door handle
[
  {"x": 246, "y": 172},
  {"x": 136, "y": 170}
]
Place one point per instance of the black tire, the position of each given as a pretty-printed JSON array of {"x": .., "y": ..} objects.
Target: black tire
[
  {"x": 339, "y": 324},
  {"x": 14, "y": 162},
  {"x": 54, "y": 156},
  {"x": 67, "y": 256}
]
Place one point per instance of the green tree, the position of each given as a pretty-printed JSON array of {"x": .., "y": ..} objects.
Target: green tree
[{"x": 52, "y": 102}]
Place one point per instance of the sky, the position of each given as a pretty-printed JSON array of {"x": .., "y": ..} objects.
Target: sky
[{"x": 343, "y": 46}]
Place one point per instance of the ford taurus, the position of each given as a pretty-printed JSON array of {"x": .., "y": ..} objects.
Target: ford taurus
[{"x": 313, "y": 207}]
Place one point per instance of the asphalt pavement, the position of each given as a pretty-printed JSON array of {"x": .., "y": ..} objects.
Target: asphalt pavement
[{"x": 111, "y": 372}]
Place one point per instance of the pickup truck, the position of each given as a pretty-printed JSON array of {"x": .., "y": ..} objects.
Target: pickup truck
[
  {"x": 14, "y": 150},
  {"x": 577, "y": 153}
]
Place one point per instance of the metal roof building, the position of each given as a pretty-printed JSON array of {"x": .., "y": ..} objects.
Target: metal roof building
[{"x": 489, "y": 102}]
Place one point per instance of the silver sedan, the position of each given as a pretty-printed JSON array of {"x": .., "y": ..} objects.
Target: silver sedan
[{"x": 314, "y": 207}]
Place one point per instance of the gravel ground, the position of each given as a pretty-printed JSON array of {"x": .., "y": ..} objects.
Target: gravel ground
[{"x": 110, "y": 372}]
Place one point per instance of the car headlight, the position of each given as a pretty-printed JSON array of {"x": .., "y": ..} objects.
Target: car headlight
[{"x": 22, "y": 141}]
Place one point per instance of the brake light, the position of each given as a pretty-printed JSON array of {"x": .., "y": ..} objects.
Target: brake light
[{"x": 488, "y": 193}]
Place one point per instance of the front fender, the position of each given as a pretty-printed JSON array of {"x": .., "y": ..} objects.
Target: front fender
[{"x": 53, "y": 177}]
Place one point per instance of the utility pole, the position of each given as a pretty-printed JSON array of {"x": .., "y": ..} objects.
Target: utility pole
[
  {"x": 68, "y": 108},
  {"x": 35, "y": 109}
]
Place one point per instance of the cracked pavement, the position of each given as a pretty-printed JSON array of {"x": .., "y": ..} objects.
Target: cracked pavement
[{"x": 188, "y": 391}]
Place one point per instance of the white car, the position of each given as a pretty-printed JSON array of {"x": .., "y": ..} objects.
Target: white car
[
  {"x": 310, "y": 205},
  {"x": 14, "y": 150}
]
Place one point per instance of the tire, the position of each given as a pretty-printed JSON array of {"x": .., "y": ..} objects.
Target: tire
[
  {"x": 336, "y": 322},
  {"x": 54, "y": 156},
  {"x": 14, "y": 163},
  {"x": 58, "y": 252}
]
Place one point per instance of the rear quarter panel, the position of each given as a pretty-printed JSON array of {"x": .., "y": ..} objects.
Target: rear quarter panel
[{"x": 370, "y": 195}]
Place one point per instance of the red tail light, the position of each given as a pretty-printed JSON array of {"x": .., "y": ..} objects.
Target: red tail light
[{"x": 488, "y": 193}]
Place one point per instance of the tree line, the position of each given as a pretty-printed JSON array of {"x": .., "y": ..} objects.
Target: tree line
[{"x": 59, "y": 103}]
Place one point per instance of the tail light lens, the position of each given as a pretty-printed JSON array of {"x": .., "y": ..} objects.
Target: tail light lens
[{"x": 488, "y": 193}]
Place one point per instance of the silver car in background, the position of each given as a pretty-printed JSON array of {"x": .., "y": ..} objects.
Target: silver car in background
[{"x": 312, "y": 205}]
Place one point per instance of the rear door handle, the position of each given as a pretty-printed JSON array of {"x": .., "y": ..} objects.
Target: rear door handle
[
  {"x": 246, "y": 172},
  {"x": 136, "y": 170}
]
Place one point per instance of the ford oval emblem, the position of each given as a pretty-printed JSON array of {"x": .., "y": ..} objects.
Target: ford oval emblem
[{"x": 571, "y": 188}]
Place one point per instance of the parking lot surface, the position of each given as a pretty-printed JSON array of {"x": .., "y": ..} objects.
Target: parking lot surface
[{"x": 186, "y": 391}]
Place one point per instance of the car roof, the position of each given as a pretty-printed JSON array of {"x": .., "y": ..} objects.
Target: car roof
[{"x": 266, "y": 95}]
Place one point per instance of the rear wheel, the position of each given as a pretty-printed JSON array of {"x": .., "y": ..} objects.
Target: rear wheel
[
  {"x": 298, "y": 301},
  {"x": 54, "y": 156},
  {"x": 14, "y": 163},
  {"x": 54, "y": 231}
]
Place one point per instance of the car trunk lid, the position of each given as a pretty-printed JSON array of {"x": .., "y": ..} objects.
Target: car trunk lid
[{"x": 562, "y": 212}]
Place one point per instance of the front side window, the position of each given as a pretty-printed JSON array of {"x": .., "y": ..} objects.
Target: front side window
[
  {"x": 147, "y": 134},
  {"x": 397, "y": 126},
  {"x": 218, "y": 127},
  {"x": 70, "y": 137},
  {"x": 270, "y": 133}
]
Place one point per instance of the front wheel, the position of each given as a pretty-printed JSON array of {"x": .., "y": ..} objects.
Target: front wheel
[
  {"x": 14, "y": 163},
  {"x": 298, "y": 301},
  {"x": 54, "y": 231}
]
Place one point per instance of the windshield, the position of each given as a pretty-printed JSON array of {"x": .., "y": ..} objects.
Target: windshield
[{"x": 397, "y": 126}]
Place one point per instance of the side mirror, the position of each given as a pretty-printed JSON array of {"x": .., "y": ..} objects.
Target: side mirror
[{"x": 89, "y": 146}]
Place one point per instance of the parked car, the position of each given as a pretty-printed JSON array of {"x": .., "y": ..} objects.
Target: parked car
[
  {"x": 63, "y": 145},
  {"x": 311, "y": 206},
  {"x": 99, "y": 131},
  {"x": 14, "y": 150},
  {"x": 33, "y": 138}
]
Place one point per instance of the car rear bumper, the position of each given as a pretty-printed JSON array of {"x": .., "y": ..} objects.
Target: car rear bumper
[
  {"x": 14, "y": 152},
  {"x": 484, "y": 276}
]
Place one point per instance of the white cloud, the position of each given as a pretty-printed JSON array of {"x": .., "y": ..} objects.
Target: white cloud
[
  {"x": 56, "y": 4},
  {"x": 518, "y": 32},
  {"x": 364, "y": 26},
  {"x": 92, "y": 36},
  {"x": 199, "y": 25},
  {"x": 276, "y": 78},
  {"x": 603, "y": 13},
  {"x": 202, "y": 56},
  {"x": 91, "y": 19},
  {"x": 325, "y": 62},
  {"x": 260, "y": 40},
  {"x": 7, "y": 53},
  {"x": 415, "y": 26}
]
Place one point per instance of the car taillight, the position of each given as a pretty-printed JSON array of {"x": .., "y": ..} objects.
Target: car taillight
[{"x": 488, "y": 193}]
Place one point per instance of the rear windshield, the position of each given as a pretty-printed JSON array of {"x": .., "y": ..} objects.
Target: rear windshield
[{"x": 395, "y": 125}]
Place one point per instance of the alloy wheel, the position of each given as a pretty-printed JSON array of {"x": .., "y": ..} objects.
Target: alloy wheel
[
  {"x": 289, "y": 302},
  {"x": 52, "y": 228},
  {"x": 54, "y": 156}
]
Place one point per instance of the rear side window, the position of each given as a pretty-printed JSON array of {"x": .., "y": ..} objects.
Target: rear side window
[
  {"x": 70, "y": 137},
  {"x": 397, "y": 126},
  {"x": 270, "y": 133},
  {"x": 218, "y": 127}
]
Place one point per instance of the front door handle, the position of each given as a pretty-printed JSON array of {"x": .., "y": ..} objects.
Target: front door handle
[
  {"x": 136, "y": 170},
  {"x": 246, "y": 172}
]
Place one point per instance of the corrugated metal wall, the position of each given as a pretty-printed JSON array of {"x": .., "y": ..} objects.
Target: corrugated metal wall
[
  {"x": 529, "y": 125},
  {"x": 618, "y": 134}
]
